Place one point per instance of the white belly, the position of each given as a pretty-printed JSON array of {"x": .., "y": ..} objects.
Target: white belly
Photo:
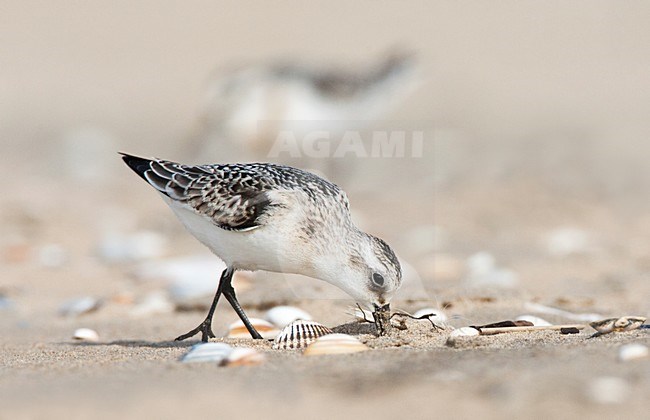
[{"x": 265, "y": 248}]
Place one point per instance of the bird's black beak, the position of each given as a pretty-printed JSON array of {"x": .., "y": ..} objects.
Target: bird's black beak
[{"x": 382, "y": 318}]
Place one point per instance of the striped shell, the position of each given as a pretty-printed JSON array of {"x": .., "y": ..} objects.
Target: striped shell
[
  {"x": 299, "y": 334},
  {"x": 207, "y": 352},
  {"x": 244, "y": 356}
]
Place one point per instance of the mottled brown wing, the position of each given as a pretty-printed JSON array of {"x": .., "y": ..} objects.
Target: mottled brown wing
[{"x": 231, "y": 199}]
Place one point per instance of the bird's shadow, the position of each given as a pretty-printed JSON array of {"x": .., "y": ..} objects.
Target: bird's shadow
[
  {"x": 352, "y": 328},
  {"x": 135, "y": 343}
]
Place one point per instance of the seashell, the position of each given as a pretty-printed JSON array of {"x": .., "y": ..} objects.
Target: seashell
[
  {"x": 153, "y": 303},
  {"x": 538, "y": 322},
  {"x": 609, "y": 390},
  {"x": 626, "y": 323},
  {"x": 79, "y": 306},
  {"x": 207, "y": 352},
  {"x": 632, "y": 351},
  {"x": 299, "y": 334},
  {"x": 464, "y": 332},
  {"x": 244, "y": 356},
  {"x": 85, "y": 334},
  {"x": 335, "y": 344},
  {"x": 281, "y": 316},
  {"x": 436, "y": 316},
  {"x": 238, "y": 330},
  {"x": 364, "y": 315}
]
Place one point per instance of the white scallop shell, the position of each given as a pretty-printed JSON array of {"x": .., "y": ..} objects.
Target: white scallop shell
[
  {"x": 364, "y": 315},
  {"x": 299, "y": 334},
  {"x": 244, "y": 356},
  {"x": 85, "y": 334},
  {"x": 464, "y": 332},
  {"x": 335, "y": 344},
  {"x": 435, "y": 315},
  {"x": 536, "y": 321},
  {"x": 281, "y": 316},
  {"x": 208, "y": 352},
  {"x": 238, "y": 330}
]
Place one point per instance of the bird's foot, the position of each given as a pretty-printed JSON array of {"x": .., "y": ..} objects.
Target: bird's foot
[{"x": 205, "y": 328}]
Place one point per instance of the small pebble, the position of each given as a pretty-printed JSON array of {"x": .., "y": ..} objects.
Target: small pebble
[
  {"x": 51, "y": 256},
  {"x": 632, "y": 351},
  {"x": 566, "y": 241},
  {"x": 153, "y": 303},
  {"x": 608, "y": 390},
  {"x": 86, "y": 334}
]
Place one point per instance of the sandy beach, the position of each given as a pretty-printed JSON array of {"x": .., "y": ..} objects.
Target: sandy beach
[{"x": 531, "y": 193}]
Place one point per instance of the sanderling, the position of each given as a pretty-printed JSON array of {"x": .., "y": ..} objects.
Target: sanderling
[
  {"x": 250, "y": 105},
  {"x": 261, "y": 216}
]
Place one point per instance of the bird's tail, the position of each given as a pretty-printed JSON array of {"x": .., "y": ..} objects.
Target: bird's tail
[{"x": 138, "y": 164}]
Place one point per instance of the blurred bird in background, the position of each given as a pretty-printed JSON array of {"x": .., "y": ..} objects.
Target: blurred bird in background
[{"x": 244, "y": 109}]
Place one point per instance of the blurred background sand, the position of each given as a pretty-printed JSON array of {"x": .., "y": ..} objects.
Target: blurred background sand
[{"x": 535, "y": 163}]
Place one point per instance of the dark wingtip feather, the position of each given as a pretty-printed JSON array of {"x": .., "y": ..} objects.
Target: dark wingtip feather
[{"x": 138, "y": 164}]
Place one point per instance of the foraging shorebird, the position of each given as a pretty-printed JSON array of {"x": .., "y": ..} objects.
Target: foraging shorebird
[
  {"x": 252, "y": 104},
  {"x": 261, "y": 216}
]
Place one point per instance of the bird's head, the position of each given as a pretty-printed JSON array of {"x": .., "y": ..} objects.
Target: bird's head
[{"x": 368, "y": 271}]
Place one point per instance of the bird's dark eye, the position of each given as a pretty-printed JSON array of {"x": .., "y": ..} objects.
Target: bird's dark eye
[{"x": 378, "y": 279}]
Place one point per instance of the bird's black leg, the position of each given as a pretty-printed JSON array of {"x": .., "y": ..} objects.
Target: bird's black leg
[
  {"x": 229, "y": 293},
  {"x": 205, "y": 328}
]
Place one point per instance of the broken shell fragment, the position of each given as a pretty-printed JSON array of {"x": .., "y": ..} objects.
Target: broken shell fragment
[
  {"x": 299, "y": 334},
  {"x": 244, "y": 356},
  {"x": 632, "y": 352},
  {"x": 207, "y": 352},
  {"x": 626, "y": 323},
  {"x": 86, "y": 334},
  {"x": 281, "y": 316},
  {"x": 266, "y": 329},
  {"x": 335, "y": 344}
]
